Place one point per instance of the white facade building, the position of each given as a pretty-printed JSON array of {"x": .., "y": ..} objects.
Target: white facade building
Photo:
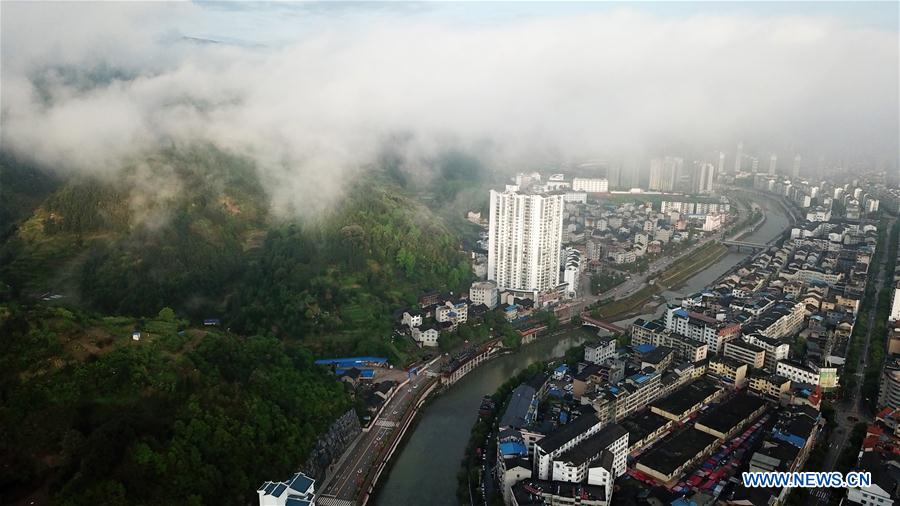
[
  {"x": 572, "y": 270},
  {"x": 484, "y": 292},
  {"x": 524, "y": 240},
  {"x": 298, "y": 490},
  {"x": 590, "y": 185},
  {"x": 601, "y": 351},
  {"x": 895, "y": 306}
]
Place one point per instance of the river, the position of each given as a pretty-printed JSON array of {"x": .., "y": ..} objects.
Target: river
[{"x": 425, "y": 471}]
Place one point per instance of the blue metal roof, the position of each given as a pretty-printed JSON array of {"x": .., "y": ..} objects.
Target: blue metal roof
[
  {"x": 348, "y": 362},
  {"x": 279, "y": 490},
  {"x": 640, "y": 378},
  {"x": 300, "y": 482},
  {"x": 297, "y": 501},
  {"x": 681, "y": 313}
]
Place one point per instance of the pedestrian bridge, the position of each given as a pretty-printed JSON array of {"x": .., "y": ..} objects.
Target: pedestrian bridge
[
  {"x": 586, "y": 319},
  {"x": 752, "y": 246}
]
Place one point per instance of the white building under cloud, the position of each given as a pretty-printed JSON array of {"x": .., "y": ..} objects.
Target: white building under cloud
[{"x": 524, "y": 240}]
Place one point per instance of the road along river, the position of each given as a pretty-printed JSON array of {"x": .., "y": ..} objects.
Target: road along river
[{"x": 425, "y": 471}]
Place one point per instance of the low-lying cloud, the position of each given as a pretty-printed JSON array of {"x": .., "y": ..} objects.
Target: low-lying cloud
[{"x": 90, "y": 87}]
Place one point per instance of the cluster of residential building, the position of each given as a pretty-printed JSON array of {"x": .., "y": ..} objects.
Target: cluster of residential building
[
  {"x": 623, "y": 233},
  {"x": 662, "y": 410},
  {"x": 542, "y": 233},
  {"x": 821, "y": 198},
  {"x": 731, "y": 378},
  {"x": 880, "y": 455}
]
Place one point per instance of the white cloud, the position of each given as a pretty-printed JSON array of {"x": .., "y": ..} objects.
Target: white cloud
[{"x": 312, "y": 111}]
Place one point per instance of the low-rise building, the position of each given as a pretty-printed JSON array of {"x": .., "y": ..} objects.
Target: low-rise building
[
  {"x": 728, "y": 418},
  {"x": 601, "y": 350},
  {"x": 750, "y": 354},
  {"x": 484, "y": 292},
  {"x": 562, "y": 439},
  {"x": 668, "y": 460},
  {"x": 687, "y": 401},
  {"x": 769, "y": 386},
  {"x": 727, "y": 371},
  {"x": 298, "y": 490}
]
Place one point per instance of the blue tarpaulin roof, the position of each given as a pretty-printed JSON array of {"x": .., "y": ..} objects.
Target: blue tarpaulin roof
[
  {"x": 348, "y": 362},
  {"x": 644, "y": 348},
  {"x": 513, "y": 448}
]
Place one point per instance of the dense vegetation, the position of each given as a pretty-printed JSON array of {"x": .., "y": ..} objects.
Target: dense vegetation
[
  {"x": 183, "y": 416},
  {"x": 192, "y": 230},
  {"x": 879, "y": 334},
  {"x": 879, "y": 301},
  {"x": 338, "y": 281},
  {"x": 186, "y": 414}
]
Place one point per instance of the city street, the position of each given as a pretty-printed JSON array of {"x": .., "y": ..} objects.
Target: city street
[
  {"x": 635, "y": 282},
  {"x": 355, "y": 465},
  {"x": 849, "y": 413}
]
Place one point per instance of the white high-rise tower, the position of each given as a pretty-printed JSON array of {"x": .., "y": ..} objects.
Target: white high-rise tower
[
  {"x": 739, "y": 157},
  {"x": 773, "y": 163},
  {"x": 524, "y": 240},
  {"x": 706, "y": 178}
]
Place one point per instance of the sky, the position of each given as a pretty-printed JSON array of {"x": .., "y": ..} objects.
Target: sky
[{"x": 312, "y": 92}]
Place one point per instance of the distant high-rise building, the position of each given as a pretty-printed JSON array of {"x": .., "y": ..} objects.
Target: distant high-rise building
[
  {"x": 738, "y": 158},
  {"x": 773, "y": 163},
  {"x": 795, "y": 170},
  {"x": 721, "y": 168},
  {"x": 706, "y": 178},
  {"x": 663, "y": 173},
  {"x": 614, "y": 175},
  {"x": 754, "y": 165},
  {"x": 524, "y": 240}
]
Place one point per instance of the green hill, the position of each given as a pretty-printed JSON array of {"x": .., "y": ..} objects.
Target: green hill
[
  {"x": 187, "y": 414},
  {"x": 191, "y": 230},
  {"x": 182, "y": 416}
]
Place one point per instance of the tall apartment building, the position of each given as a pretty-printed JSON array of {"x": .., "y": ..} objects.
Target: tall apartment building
[
  {"x": 524, "y": 240},
  {"x": 590, "y": 185},
  {"x": 706, "y": 178},
  {"x": 664, "y": 172}
]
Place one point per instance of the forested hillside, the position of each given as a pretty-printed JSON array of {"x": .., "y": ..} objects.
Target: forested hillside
[
  {"x": 191, "y": 230},
  {"x": 192, "y": 415},
  {"x": 183, "y": 416}
]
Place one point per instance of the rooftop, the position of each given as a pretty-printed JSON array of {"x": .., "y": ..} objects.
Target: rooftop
[
  {"x": 565, "y": 433},
  {"x": 731, "y": 413},
  {"x": 516, "y": 414},
  {"x": 674, "y": 452},
  {"x": 686, "y": 398},
  {"x": 591, "y": 447},
  {"x": 640, "y": 425}
]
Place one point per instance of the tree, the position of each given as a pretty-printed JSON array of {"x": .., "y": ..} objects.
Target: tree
[{"x": 167, "y": 314}]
